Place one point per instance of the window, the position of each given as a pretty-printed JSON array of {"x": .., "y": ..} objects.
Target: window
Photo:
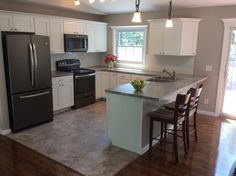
[{"x": 129, "y": 44}]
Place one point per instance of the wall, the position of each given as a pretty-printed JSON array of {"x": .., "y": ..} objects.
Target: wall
[
  {"x": 210, "y": 40},
  {"x": 86, "y": 60}
]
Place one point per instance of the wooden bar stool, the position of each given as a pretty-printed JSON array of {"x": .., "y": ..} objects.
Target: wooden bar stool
[
  {"x": 165, "y": 116},
  {"x": 195, "y": 96}
]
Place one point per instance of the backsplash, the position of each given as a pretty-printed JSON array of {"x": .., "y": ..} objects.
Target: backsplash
[
  {"x": 183, "y": 64},
  {"x": 86, "y": 59}
]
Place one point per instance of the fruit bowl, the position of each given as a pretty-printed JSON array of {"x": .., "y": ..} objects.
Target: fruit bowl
[{"x": 138, "y": 84}]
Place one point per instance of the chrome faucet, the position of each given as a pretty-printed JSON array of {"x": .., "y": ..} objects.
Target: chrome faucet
[{"x": 172, "y": 75}]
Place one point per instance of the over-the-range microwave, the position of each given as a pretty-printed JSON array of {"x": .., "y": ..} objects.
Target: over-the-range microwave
[{"x": 75, "y": 43}]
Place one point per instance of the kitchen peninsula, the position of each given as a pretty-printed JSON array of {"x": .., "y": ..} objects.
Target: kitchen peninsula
[{"x": 127, "y": 109}]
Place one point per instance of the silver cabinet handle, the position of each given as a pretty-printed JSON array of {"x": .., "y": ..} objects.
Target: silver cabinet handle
[
  {"x": 35, "y": 64},
  {"x": 32, "y": 64},
  {"x": 34, "y": 95}
]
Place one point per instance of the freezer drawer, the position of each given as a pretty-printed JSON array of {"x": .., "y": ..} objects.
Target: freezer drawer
[{"x": 30, "y": 109}]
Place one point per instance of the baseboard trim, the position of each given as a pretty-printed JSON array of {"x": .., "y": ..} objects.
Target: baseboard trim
[
  {"x": 208, "y": 113},
  {"x": 146, "y": 148},
  {"x": 5, "y": 132}
]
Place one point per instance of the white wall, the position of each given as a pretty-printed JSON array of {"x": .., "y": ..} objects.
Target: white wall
[{"x": 86, "y": 59}]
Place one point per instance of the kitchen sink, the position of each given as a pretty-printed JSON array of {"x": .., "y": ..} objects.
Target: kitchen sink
[{"x": 162, "y": 79}]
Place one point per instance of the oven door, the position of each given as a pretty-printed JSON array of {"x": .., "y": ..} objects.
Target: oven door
[
  {"x": 84, "y": 90},
  {"x": 75, "y": 43}
]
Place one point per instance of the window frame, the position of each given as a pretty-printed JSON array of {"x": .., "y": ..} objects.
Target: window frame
[{"x": 116, "y": 30}]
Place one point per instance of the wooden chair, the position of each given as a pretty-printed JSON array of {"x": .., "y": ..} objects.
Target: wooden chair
[
  {"x": 195, "y": 96},
  {"x": 165, "y": 116}
]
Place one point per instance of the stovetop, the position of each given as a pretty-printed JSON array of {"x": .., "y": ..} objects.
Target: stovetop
[{"x": 82, "y": 71}]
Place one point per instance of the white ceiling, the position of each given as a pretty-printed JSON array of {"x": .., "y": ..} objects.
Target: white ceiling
[{"x": 124, "y": 6}]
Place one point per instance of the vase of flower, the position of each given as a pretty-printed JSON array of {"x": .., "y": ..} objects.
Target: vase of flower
[{"x": 110, "y": 60}]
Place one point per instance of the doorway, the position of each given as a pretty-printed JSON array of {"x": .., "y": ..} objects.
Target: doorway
[{"x": 229, "y": 108}]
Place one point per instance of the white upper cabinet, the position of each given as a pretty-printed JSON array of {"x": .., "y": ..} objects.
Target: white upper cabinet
[
  {"x": 74, "y": 27},
  {"x": 97, "y": 37},
  {"x": 16, "y": 22},
  {"x": 5, "y": 22},
  {"x": 42, "y": 26},
  {"x": 56, "y": 35},
  {"x": 180, "y": 40}
]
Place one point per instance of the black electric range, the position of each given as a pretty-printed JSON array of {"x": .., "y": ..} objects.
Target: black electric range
[{"x": 84, "y": 81}]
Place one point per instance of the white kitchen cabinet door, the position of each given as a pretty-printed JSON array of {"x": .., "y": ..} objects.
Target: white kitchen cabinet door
[
  {"x": 101, "y": 38},
  {"x": 180, "y": 40},
  {"x": 67, "y": 94},
  {"x": 156, "y": 38},
  {"x": 74, "y": 27},
  {"x": 172, "y": 39},
  {"x": 5, "y": 22},
  {"x": 105, "y": 83},
  {"x": 122, "y": 81},
  {"x": 97, "y": 37},
  {"x": 56, "y": 36},
  {"x": 91, "y": 37},
  {"x": 42, "y": 26},
  {"x": 23, "y": 23},
  {"x": 98, "y": 85},
  {"x": 56, "y": 95},
  {"x": 112, "y": 79}
]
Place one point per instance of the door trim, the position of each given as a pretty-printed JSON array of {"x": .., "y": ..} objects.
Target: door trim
[{"x": 228, "y": 25}]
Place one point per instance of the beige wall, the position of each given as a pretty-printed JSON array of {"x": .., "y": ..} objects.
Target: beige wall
[{"x": 208, "y": 50}]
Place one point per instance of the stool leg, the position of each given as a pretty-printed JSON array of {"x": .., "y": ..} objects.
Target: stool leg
[
  {"x": 195, "y": 125},
  {"x": 187, "y": 131},
  {"x": 184, "y": 136},
  {"x": 150, "y": 135},
  {"x": 161, "y": 135},
  {"x": 165, "y": 131},
  {"x": 176, "y": 144}
]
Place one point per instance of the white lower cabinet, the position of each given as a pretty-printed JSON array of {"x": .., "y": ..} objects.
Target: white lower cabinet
[
  {"x": 123, "y": 78},
  {"x": 112, "y": 80},
  {"x": 102, "y": 83},
  {"x": 63, "y": 92}
]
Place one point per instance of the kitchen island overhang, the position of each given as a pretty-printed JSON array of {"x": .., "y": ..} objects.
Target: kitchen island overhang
[{"x": 127, "y": 110}]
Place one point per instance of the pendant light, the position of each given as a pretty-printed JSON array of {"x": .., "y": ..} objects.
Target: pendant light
[
  {"x": 137, "y": 15},
  {"x": 77, "y": 2},
  {"x": 169, "y": 23}
]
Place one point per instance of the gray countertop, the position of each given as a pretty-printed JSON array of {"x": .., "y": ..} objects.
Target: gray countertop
[
  {"x": 157, "y": 90},
  {"x": 60, "y": 73}
]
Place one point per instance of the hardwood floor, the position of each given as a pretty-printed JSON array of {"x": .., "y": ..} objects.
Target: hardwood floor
[
  {"x": 212, "y": 154},
  {"x": 18, "y": 160}
]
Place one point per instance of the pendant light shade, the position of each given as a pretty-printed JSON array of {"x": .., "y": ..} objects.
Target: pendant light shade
[
  {"x": 169, "y": 23},
  {"x": 77, "y": 2},
  {"x": 137, "y": 14}
]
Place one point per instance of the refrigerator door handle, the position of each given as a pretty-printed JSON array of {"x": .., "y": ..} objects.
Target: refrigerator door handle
[
  {"x": 35, "y": 95},
  {"x": 35, "y": 64},
  {"x": 31, "y": 64}
]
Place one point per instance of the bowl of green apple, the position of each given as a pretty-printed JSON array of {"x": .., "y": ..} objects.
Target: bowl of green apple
[{"x": 138, "y": 84}]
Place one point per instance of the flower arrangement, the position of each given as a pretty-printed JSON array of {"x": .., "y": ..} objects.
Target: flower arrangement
[{"x": 110, "y": 58}]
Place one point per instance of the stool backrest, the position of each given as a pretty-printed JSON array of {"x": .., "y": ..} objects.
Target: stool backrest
[
  {"x": 182, "y": 103},
  {"x": 195, "y": 96}
]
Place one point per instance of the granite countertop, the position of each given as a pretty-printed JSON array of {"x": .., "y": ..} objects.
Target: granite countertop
[
  {"x": 136, "y": 71},
  {"x": 60, "y": 73},
  {"x": 157, "y": 90}
]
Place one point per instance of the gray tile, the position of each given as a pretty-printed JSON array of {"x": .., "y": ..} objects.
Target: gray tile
[{"x": 78, "y": 139}]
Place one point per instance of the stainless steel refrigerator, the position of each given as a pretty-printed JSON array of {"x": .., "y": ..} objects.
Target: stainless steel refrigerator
[{"x": 28, "y": 77}]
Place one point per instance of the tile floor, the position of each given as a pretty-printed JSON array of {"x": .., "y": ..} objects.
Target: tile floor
[{"x": 78, "y": 139}]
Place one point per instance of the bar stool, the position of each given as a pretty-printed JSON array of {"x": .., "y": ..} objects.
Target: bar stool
[
  {"x": 195, "y": 96},
  {"x": 178, "y": 116}
]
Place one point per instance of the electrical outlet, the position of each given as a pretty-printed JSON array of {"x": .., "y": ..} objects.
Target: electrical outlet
[
  {"x": 206, "y": 101},
  {"x": 209, "y": 68}
]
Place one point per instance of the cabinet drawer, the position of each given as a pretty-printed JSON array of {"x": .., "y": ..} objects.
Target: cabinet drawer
[
  {"x": 123, "y": 76},
  {"x": 62, "y": 79}
]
